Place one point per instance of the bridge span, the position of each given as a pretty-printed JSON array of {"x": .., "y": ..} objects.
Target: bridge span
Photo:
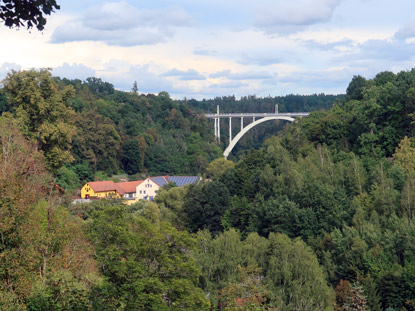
[{"x": 287, "y": 116}]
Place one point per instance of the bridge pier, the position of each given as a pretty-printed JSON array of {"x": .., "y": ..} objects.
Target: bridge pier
[
  {"x": 217, "y": 125},
  {"x": 230, "y": 129}
]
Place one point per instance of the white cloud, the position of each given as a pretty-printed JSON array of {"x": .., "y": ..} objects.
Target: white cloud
[
  {"x": 406, "y": 32},
  {"x": 121, "y": 24},
  {"x": 203, "y": 51},
  {"x": 122, "y": 75},
  {"x": 261, "y": 59},
  {"x": 189, "y": 74},
  {"x": 5, "y": 68},
  {"x": 111, "y": 16},
  {"x": 292, "y": 16},
  {"x": 74, "y": 71},
  {"x": 249, "y": 75}
]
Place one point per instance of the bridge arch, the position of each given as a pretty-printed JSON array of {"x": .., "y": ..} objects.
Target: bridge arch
[{"x": 235, "y": 140}]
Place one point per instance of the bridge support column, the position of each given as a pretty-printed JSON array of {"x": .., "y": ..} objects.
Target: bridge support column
[
  {"x": 242, "y": 123},
  {"x": 217, "y": 129},
  {"x": 217, "y": 125},
  {"x": 230, "y": 129}
]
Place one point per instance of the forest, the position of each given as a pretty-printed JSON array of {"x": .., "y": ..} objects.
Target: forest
[{"x": 318, "y": 215}]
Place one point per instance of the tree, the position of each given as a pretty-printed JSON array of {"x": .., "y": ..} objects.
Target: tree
[
  {"x": 37, "y": 238},
  {"x": 247, "y": 294},
  {"x": 43, "y": 113},
  {"x": 17, "y": 13},
  {"x": 131, "y": 157},
  {"x": 67, "y": 179},
  {"x": 145, "y": 266},
  {"x": 135, "y": 88},
  {"x": 23, "y": 180},
  {"x": 218, "y": 166},
  {"x": 294, "y": 276},
  {"x": 355, "y": 89},
  {"x": 97, "y": 142},
  {"x": 205, "y": 205}
]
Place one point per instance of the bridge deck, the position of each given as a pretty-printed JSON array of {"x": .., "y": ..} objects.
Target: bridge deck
[{"x": 255, "y": 115}]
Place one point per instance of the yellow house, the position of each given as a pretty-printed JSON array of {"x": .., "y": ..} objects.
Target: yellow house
[{"x": 101, "y": 189}]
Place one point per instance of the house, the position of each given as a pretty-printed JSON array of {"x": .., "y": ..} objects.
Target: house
[
  {"x": 130, "y": 190},
  {"x": 148, "y": 188},
  {"x": 133, "y": 191},
  {"x": 101, "y": 189}
]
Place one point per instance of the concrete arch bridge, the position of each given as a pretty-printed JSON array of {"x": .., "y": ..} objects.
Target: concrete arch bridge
[{"x": 257, "y": 118}]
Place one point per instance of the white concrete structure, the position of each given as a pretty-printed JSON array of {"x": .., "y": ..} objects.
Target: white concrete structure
[{"x": 147, "y": 190}]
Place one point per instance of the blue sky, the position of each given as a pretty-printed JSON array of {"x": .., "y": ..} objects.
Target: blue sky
[{"x": 202, "y": 49}]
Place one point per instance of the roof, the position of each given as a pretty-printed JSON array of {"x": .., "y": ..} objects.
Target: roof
[
  {"x": 178, "y": 180},
  {"x": 183, "y": 180},
  {"x": 106, "y": 185},
  {"x": 129, "y": 186},
  {"x": 160, "y": 180}
]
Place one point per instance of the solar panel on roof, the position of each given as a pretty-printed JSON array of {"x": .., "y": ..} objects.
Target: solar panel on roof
[
  {"x": 159, "y": 180},
  {"x": 183, "y": 180}
]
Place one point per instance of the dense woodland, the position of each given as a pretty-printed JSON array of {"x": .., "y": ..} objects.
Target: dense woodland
[{"x": 319, "y": 217}]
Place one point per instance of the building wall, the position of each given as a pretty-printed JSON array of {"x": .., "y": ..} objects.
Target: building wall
[
  {"x": 87, "y": 190},
  {"x": 147, "y": 190},
  {"x": 130, "y": 200}
]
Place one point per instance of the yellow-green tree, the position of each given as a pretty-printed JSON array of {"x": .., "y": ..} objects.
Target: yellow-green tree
[
  {"x": 218, "y": 167},
  {"x": 43, "y": 113},
  {"x": 404, "y": 156}
]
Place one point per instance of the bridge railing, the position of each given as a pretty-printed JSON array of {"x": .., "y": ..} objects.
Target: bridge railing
[{"x": 256, "y": 115}]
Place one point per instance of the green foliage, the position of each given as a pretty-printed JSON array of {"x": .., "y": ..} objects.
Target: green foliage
[
  {"x": 218, "y": 166},
  {"x": 67, "y": 179},
  {"x": 61, "y": 292},
  {"x": 43, "y": 113},
  {"x": 284, "y": 273},
  {"x": 131, "y": 157},
  {"x": 145, "y": 266},
  {"x": 204, "y": 206},
  {"x": 294, "y": 276},
  {"x": 355, "y": 89},
  {"x": 241, "y": 215},
  {"x": 16, "y": 14}
]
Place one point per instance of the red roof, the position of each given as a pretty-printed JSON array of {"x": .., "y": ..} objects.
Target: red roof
[
  {"x": 129, "y": 186},
  {"x": 107, "y": 185}
]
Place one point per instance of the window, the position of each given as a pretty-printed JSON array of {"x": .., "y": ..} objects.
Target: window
[
  {"x": 151, "y": 198},
  {"x": 144, "y": 191},
  {"x": 141, "y": 192}
]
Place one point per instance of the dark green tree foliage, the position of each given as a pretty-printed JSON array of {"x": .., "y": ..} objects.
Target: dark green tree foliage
[
  {"x": 205, "y": 206},
  {"x": 131, "y": 157},
  {"x": 29, "y": 13},
  {"x": 4, "y": 105},
  {"x": 375, "y": 115},
  {"x": 99, "y": 87},
  {"x": 241, "y": 215},
  {"x": 97, "y": 142},
  {"x": 145, "y": 267},
  {"x": 355, "y": 89}
]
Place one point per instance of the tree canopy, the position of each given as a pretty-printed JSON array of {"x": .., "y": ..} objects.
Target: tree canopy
[{"x": 26, "y": 13}]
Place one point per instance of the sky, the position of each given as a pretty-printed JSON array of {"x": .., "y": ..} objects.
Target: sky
[{"x": 209, "y": 48}]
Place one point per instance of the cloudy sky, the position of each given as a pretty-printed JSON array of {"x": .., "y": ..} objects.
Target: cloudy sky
[{"x": 207, "y": 48}]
